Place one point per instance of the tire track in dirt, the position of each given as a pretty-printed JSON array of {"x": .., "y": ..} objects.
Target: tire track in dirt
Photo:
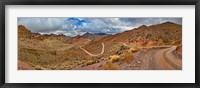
[
  {"x": 172, "y": 59},
  {"x": 153, "y": 65},
  {"x": 165, "y": 59},
  {"x": 160, "y": 61}
]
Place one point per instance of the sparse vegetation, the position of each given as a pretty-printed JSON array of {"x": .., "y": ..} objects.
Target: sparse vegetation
[
  {"x": 89, "y": 62},
  {"x": 135, "y": 49},
  {"x": 148, "y": 36},
  {"x": 114, "y": 58},
  {"x": 128, "y": 56},
  {"x": 150, "y": 46},
  {"x": 110, "y": 66}
]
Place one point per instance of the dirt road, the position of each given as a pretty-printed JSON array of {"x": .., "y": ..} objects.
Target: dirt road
[
  {"x": 102, "y": 51},
  {"x": 158, "y": 58},
  {"x": 165, "y": 59}
]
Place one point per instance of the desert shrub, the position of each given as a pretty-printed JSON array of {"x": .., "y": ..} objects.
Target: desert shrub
[
  {"x": 135, "y": 49},
  {"x": 110, "y": 66},
  {"x": 89, "y": 62},
  {"x": 119, "y": 50},
  {"x": 53, "y": 52},
  {"x": 114, "y": 58},
  {"x": 124, "y": 47},
  {"x": 166, "y": 33},
  {"x": 165, "y": 39},
  {"x": 148, "y": 36},
  {"x": 38, "y": 67},
  {"x": 150, "y": 46},
  {"x": 131, "y": 38},
  {"x": 128, "y": 56},
  {"x": 70, "y": 54},
  {"x": 96, "y": 61}
]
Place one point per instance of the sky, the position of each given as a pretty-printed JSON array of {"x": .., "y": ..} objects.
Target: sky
[{"x": 79, "y": 26}]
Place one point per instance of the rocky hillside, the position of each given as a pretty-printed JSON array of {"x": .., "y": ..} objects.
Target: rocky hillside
[
  {"x": 160, "y": 34},
  {"x": 46, "y": 50}
]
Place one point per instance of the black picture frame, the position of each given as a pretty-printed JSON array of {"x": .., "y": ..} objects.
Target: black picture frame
[{"x": 99, "y": 2}]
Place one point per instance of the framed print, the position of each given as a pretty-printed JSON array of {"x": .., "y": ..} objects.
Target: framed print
[{"x": 104, "y": 43}]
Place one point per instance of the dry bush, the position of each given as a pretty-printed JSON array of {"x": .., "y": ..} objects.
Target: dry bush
[
  {"x": 110, "y": 66},
  {"x": 150, "y": 46},
  {"x": 135, "y": 49},
  {"x": 70, "y": 54},
  {"x": 128, "y": 56},
  {"x": 114, "y": 58},
  {"x": 103, "y": 59},
  {"x": 89, "y": 62},
  {"x": 38, "y": 67}
]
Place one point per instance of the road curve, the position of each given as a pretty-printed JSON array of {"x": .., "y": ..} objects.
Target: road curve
[
  {"x": 166, "y": 60},
  {"x": 102, "y": 51}
]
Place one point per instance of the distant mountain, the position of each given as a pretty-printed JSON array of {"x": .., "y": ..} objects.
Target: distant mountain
[
  {"x": 23, "y": 32},
  {"x": 101, "y": 34},
  {"x": 93, "y": 36},
  {"x": 88, "y": 35}
]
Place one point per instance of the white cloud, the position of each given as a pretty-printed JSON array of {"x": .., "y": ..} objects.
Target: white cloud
[{"x": 79, "y": 26}]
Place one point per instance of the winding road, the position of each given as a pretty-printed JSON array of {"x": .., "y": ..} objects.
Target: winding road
[
  {"x": 165, "y": 59},
  {"x": 102, "y": 51}
]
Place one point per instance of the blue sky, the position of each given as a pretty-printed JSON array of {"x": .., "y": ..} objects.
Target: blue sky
[{"x": 79, "y": 26}]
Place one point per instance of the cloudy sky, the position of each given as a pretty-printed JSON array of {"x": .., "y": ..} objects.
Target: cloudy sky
[{"x": 79, "y": 26}]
